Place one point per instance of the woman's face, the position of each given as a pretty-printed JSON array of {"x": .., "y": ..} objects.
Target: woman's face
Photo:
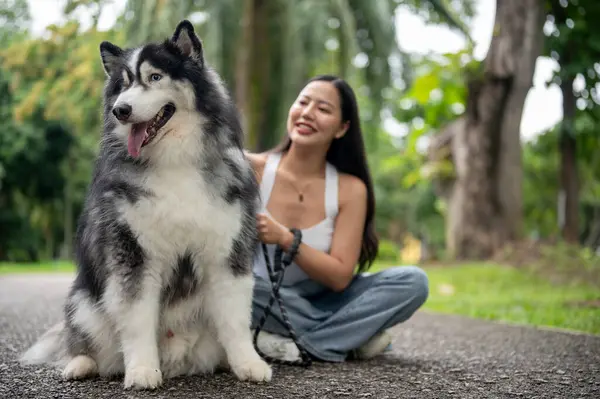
[{"x": 315, "y": 118}]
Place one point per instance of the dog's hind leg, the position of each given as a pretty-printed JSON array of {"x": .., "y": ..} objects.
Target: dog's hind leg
[
  {"x": 65, "y": 345},
  {"x": 81, "y": 366},
  {"x": 229, "y": 305},
  {"x": 78, "y": 312}
]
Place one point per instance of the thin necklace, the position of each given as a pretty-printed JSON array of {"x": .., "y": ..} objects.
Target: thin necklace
[{"x": 300, "y": 192}]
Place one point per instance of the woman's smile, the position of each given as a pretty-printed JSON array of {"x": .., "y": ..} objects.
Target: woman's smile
[{"x": 305, "y": 129}]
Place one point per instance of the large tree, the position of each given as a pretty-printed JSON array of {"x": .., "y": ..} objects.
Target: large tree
[{"x": 485, "y": 200}]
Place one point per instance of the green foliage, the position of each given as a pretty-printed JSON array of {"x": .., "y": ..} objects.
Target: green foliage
[
  {"x": 541, "y": 185},
  {"x": 573, "y": 40},
  {"x": 32, "y": 179},
  {"x": 389, "y": 252},
  {"x": 14, "y": 20},
  {"x": 70, "y": 87},
  {"x": 454, "y": 14},
  {"x": 438, "y": 94},
  {"x": 406, "y": 203},
  {"x": 53, "y": 123},
  {"x": 406, "y": 199},
  {"x": 586, "y": 124}
]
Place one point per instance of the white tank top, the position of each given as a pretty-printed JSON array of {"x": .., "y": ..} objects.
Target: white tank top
[{"x": 318, "y": 236}]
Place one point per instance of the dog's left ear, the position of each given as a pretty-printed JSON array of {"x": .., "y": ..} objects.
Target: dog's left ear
[
  {"x": 187, "y": 41},
  {"x": 112, "y": 57}
]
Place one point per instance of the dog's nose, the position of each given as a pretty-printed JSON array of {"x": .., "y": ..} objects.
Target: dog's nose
[{"x": 122, "y": 112}]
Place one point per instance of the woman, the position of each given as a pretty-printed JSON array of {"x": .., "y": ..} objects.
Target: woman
[{"x": 317, "y": 180}]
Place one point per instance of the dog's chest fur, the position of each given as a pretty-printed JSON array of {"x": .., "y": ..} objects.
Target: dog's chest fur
[{"x": 183, "y": 214}]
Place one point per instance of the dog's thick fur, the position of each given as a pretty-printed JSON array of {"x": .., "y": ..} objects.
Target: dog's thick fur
[{"x": 165, "y": 241}]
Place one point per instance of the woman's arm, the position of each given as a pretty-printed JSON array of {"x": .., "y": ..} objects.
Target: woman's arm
[{"x": 334, "y": 270}]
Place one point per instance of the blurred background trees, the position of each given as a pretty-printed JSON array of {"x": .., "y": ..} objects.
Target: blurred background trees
[{"x": 458, "y": 182}]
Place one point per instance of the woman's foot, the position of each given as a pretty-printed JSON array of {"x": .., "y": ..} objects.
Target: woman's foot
[
  {"x": 278, "y": 347},
  {"x": 374, "y": 347}
]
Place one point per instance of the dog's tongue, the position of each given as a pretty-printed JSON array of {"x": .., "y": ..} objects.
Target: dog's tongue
[{"x": 136, "y": 138}]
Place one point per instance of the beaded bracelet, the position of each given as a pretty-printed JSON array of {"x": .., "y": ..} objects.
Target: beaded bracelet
[{"x": 293, "y": 251}]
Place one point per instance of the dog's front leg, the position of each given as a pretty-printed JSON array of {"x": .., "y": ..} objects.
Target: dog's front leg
[
  {"x": 136, "y": 313},
  {"x": 229, "y": 304}
]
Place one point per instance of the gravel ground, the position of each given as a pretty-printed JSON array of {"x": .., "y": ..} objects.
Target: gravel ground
[{"x": 434, "y": 356}]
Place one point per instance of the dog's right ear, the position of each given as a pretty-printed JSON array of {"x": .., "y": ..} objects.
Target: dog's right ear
[{"x": 112, "y": 57}]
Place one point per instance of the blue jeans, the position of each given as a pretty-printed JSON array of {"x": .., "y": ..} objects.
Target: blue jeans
[{"x": 328, "y": 324}]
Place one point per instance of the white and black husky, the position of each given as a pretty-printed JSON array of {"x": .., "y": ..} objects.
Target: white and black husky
[{"x": 165, "y": 241}]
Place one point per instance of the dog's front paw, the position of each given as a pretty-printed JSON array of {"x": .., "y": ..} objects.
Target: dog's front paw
[
  {"x": 143, "y": 378},
  {"x": 255, "y": 369},
  {"x": 80, "y": 367}
]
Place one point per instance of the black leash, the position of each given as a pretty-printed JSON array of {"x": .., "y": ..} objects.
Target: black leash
[{"x": 276, "y": 276}]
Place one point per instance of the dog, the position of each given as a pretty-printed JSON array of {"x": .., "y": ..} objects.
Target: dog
[{"x": 165, "y": 241}]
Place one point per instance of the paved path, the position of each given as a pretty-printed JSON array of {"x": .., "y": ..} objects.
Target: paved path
[{"x": 434, "y": 356}]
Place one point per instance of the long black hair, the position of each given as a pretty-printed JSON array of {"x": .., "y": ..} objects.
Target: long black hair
[{"x": 347, "y": 154}]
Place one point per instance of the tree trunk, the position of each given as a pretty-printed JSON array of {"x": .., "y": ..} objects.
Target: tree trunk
[
  {"x": 486, "y": 208},
  {"x": 270, "y": 99},
  {"x": 67, "y": 250},
  {"x": 569, "y": 185},
  {"x": 242, "y": 74},
  {"x": 253, "y": 70},
  {"x": 593, "y": 237}
]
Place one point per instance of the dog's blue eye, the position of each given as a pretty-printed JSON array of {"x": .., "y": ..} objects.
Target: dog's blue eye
[{"x": 155, "y": 77}]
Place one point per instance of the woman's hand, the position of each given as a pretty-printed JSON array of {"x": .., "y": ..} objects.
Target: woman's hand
[{"x": 272, "y": 232}]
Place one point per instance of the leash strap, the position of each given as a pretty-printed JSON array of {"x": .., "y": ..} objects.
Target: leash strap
[{"x": 276, "y": 273}]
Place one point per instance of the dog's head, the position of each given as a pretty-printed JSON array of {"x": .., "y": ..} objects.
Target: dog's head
[{"x": 152, "y": 91}]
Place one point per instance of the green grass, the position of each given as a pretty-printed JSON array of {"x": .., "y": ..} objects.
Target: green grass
[
  {"x": 501, "y": 293},
  {"x": 483, "y": 290},
  {"x": 45, "y": 267}
]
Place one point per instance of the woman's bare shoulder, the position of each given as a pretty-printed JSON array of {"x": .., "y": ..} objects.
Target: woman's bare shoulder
[
  {"x": 258, "y": 161},
  {"x": 351, "y": 189}
]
